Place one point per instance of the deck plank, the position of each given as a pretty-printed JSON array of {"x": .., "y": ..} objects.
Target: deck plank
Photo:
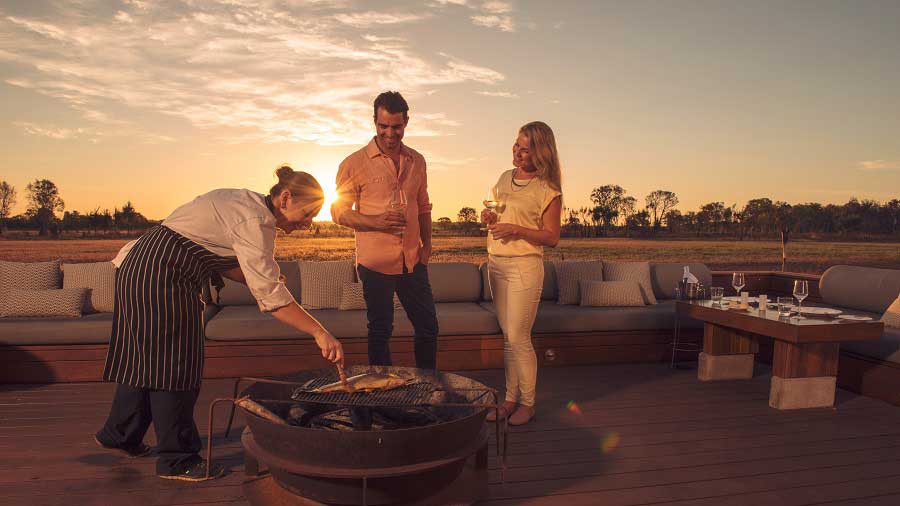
[{"x": 670, "y": 439}]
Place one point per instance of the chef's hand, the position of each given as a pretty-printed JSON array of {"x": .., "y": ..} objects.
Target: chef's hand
[
  {"x": 488, "y": 217},
  {"x": 330, "y": 346},
  {"x": 392, "y": 222},
  {"x": 505, "y": 231}
]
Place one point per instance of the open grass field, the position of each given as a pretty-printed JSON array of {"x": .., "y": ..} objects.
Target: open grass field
[{"x": 803, "y": 256}]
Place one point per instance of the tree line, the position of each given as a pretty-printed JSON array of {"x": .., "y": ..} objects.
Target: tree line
[
  {"x": 613, "y": 213},
  {"x": 44, "y": 204}
]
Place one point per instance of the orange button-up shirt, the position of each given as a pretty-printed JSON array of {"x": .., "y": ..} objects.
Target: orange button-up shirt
[{"x": 367, "y": 179}]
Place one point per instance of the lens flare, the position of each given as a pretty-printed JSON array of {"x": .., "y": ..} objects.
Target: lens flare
[
  {"x": 610, "y": 442},
  {"x": 571, "y": 406}
]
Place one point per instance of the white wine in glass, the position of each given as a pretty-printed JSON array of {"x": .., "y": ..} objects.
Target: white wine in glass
[
  {"x": 398, "y": 203},
  {"x": 491, "y": 204},
  {"x": 737, "y": 282},
  {"x": 801, "y": 291}
]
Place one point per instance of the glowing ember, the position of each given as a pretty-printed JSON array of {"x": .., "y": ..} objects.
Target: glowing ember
[{"x": 571, "y": 406}]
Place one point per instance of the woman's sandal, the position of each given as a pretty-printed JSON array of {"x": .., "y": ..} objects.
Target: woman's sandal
[
  {"x": 505, "y": 409},
  {"x": 522, "y": 415}
]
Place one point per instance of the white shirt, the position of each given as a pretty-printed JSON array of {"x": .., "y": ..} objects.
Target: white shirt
[{"x": 233, "y": 223}]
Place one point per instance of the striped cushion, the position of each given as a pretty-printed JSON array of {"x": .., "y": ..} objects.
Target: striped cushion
[
  {"x": 611, "y": 293},
  {"x": 321, "y": 283},
  {"x": 631, "y": 271},
  {"x": 570, "y": 272},
  {"x": 352, "y": 297},
  {"x": 55, "y": 302},
  {"x": 100, "y": 280},
  {"x": 891, "y": 316}
]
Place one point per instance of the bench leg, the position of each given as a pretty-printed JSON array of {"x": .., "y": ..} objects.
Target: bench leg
[
  {"x": 804, "y": 375},
  {"x": 727, "y": 354}
]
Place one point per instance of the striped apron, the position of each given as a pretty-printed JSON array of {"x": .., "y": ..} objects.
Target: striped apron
[{"x": 157, "y": 332}]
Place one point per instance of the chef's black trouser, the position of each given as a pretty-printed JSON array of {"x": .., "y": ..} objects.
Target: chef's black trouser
[
  {"x": 414, "y": 291},
  {"x": 172, "y": 413}
]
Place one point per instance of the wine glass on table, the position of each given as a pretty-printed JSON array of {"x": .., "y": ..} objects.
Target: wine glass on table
[
  {"x": 398, "y": 203},
  {"x": 737, "y": 282},
  {"x": 801, "y": 291}
]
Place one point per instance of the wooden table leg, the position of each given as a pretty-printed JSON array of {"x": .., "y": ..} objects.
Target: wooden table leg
[
  {"x": 804, "y": 375},
  {"x": 727, "y": 354}
]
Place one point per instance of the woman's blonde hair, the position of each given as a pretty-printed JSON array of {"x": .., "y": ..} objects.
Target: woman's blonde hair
[
  {"x": 301, "y": 185},
  {"x": 543, "y": 153}
]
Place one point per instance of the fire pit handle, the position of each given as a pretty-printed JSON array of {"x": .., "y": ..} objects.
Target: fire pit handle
[{"x": 209, "y": 433}]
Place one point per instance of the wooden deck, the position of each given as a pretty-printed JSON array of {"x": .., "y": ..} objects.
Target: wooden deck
[{"x": 641, "y": 434}]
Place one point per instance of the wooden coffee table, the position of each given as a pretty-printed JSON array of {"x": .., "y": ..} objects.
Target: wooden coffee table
[{"x": 805, "y": 363}]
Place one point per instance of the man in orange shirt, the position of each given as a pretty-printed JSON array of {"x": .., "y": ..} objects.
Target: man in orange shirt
[{"x": 386, "y": 182}]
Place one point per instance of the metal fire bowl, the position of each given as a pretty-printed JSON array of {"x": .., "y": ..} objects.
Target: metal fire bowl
[{"x": 343, "y": 454}]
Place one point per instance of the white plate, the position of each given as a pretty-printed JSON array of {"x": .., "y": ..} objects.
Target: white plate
[
  {"x": 855, "y": 318},
  {"x": 825, "y": 311},
  {"x": 738, "y": 299}
]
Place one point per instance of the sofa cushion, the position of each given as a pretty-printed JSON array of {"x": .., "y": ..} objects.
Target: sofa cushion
[
  {"x": 664, "y": 277},
  {"x": 454, "y": 281},
  {"x": 611, "y": 294},
  {"x": 100, "y": 280},
  {"x": 891, "y": 317},
  {"x": 321, "y": 283},
  {"x": 28, "y": 276},
  {"x": 550, "y": 290},
  {"x": 631, "y": 271},
  {"x": 43, "y": 303},
  {"x": 89, "y": 329},
  {"x": 234, "y": 323},
  {"x": 237, "y": 294},
  {"x": 864, "y": 288},
  {"x": 887, "y": 348},
  {"x": 556, "y": 318},
  {"x": 353, "y": 298},
  {"x": 570, "y": 273}
]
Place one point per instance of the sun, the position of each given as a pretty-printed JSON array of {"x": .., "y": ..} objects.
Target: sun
[{"x": 330, "y": 191}]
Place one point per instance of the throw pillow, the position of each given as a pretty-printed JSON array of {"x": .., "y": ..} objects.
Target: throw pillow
[
  {"x": 321, "y": 283},
  {"x": 631, "y": 271},
  {"x": 56, "y": 302},
  {"x": 570, "y": 272},
  {"x": 891, "y": 316},
  {"x": 29, "y": 276},
  {"x": 352, "y": 297},
  {"x": 100, "y": 280},
  {"x": 611, "y": 293}
]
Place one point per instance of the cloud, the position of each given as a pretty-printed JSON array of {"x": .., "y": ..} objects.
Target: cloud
[
  {"x": 504, "y": 23},
  {"x": 51, "y": 132},
  {"x": 500, "y": 94},
  {"x": 489, "y": 13},
  {"x": 366, "y": 19},
  {"x": 876, "y": 165},
  {"x": 271, "y": 71}
]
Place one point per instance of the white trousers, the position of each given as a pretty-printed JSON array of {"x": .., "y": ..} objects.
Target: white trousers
[{"x": 516, "y": 284}]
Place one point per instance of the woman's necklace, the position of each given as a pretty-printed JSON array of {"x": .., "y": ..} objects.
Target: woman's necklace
[{"x": 517, "y": 185}]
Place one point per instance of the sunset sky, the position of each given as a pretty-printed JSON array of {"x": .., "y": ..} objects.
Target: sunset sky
[{"x": 156, "y": 102}]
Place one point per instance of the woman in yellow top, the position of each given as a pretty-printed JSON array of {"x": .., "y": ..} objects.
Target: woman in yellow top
[{"x": 530, "y": 203}]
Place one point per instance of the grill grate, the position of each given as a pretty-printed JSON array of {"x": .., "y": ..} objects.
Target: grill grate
[{"x": 417, "y": 393}]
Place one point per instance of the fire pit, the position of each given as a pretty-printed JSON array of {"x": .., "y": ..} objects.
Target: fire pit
[{"x": 424, "y": 443}]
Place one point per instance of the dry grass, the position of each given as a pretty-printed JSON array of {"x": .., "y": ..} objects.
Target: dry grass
[{"x": 803, "y": 256}]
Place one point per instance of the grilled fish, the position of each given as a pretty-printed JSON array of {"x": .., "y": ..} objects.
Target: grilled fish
[{"x": 364, "y": 383}]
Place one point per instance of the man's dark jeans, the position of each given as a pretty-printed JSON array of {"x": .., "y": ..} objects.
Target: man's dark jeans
[{"x": 414, "y": 292}]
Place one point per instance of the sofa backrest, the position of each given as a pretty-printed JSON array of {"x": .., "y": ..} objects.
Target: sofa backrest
[
  {"x": 863, "y": 288},
  {"x": 237, "y": 294},
  {"x": 665, "y": 276},
  {"x": 549, "y": 292},
  {"x": 454, "y": 281}
]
